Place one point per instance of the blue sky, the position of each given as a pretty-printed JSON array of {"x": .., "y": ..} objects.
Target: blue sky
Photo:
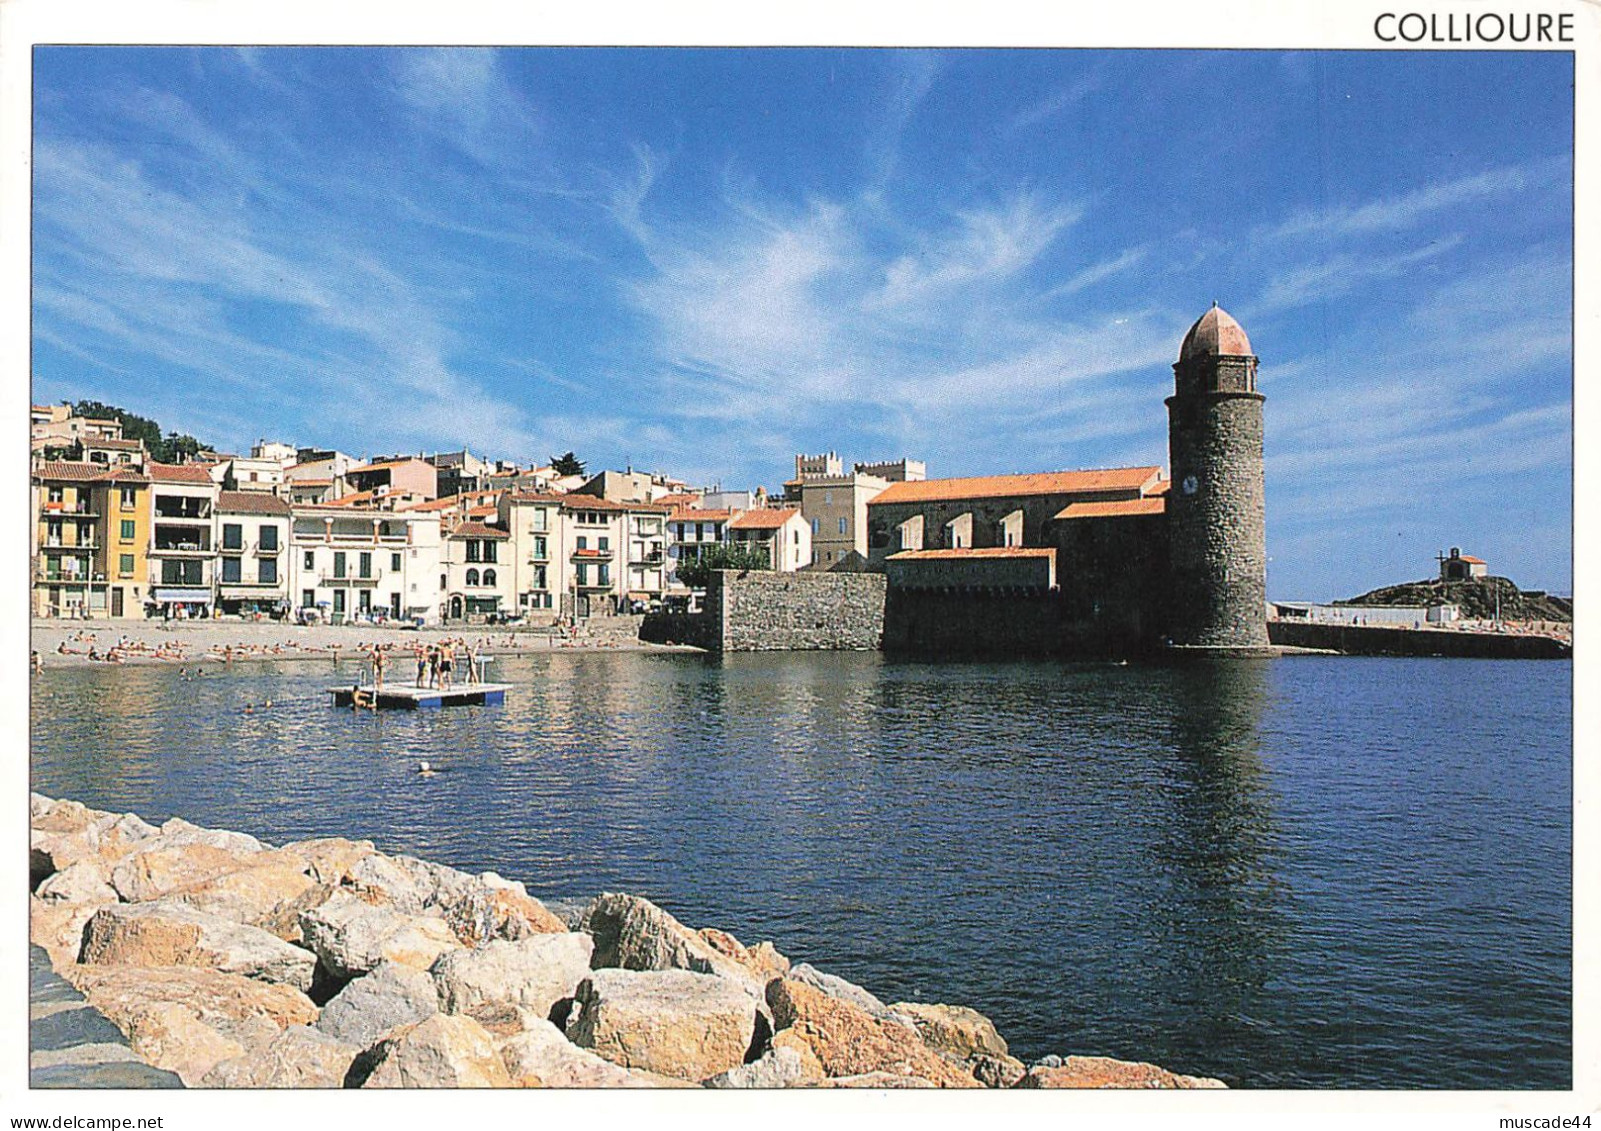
[{"x": 705, "y": 261}]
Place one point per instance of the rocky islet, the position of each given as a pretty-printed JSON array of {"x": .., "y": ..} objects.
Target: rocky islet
[{"x": 326, "y": 963}]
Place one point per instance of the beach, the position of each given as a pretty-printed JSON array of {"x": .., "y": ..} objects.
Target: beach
[{"x": 219, "y": 643}]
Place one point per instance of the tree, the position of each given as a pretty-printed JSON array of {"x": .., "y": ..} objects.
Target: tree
[
  {"x": 568, "y": 464},
  {"x": 696, "y": 572},
  {"x": 168, "y": 448}
]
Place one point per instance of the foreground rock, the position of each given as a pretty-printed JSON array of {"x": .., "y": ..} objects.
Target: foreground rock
[
  {"x": 542, "y": 1057},
  {"x": 168, "y": 933},
  {"x": 530, "y": 974},
  {"x": 953, "y": 1030},
  {"x": 299, "y": 1057},
  {"x": 204, "y": 947},
  {"x": 441, "y": 1052},
  {"x": 673, "y": 1022},
  {"x": 849, "y": 1041},
  {"x": 188, "y": 1019},
  {"x": 350, "y": 936},
  {"x": 1104, "y": 1072},
  {"x": 390, "y": 996}
]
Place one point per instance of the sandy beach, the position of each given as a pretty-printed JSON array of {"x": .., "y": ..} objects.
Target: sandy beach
[{"x": 220, "y": 643}]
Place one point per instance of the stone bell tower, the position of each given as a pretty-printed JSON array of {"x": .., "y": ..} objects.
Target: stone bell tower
[{"x": 1215, "y": 511}]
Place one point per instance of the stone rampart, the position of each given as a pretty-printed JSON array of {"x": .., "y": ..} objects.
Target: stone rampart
[{"x": 766, "y": 611}]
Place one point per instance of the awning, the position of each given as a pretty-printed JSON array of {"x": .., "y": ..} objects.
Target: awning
[
  {"x": 232, "y": 592},
  {"x": 184, "y": 596}
]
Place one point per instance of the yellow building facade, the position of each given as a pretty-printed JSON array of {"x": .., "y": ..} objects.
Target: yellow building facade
[{"x": 92, "y": 530}]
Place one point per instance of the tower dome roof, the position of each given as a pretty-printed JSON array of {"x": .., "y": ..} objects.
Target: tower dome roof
[{"x": 1215, "y": 333}]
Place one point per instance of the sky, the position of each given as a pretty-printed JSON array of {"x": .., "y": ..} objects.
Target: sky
[{"x": 703, "y": 262}]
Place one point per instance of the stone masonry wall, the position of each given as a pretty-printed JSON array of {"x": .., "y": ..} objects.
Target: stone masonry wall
[{"x": 765, "y": 611}]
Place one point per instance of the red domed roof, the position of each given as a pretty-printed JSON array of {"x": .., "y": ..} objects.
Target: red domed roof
[{"x": 1215, "y": 333}]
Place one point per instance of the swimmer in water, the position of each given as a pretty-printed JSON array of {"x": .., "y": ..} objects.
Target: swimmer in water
[{"x": 425, "y": 770}]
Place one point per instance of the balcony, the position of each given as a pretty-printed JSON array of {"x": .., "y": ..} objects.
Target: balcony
[
  {"x": 85, "y": 508},
  {"x": 338, "y": 579},
  {"x": 63, "y": 544},
  {"x": 592, "y": 555},
  {"x": 64, "y": 577},
  {"x": 182, "y": 514},
  {"x": 180, "y": 550}
]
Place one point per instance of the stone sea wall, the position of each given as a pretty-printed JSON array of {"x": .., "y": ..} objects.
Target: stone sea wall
[
  {"x": 326, "y": 963},
  {"x": 1377, "y": 640}
]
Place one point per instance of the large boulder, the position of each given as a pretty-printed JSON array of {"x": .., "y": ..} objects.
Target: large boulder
[
  {"x": 1105, "y": 1072},
  {"x": 158, "y": 867},
  {"x": 187, "y": 1019},
  {"x": 327, "y": 860},
  {"x": 634, "y": 934},
  {"x": 68, "y": 833},
  {"x": 531, "y": 974},
  {"x": 483, "y": 912},
  {"x": 179, "y": 833},
  {"x": 849, "y": 1041},
  {"x": 443, "y": 1051},
  {"x": 541, "y": 1056},
  {"x": 836, "y": 987},
  {"x": 350, "y": 936},
  {"x": 167, "y": 933},
  {"x": 380, "y": 879},
  {"x": 762, "y": 960},
  {"x": 269, "y": 894},
  {"x": 83, "y": 881},
  {"x": 954, "y": 1030},
  {"x": 58, "y": 927},
  {"x": 673, "y": 1022},
  {"x": 298, "y": 1057},
  {"x": 389, "y": 996}
]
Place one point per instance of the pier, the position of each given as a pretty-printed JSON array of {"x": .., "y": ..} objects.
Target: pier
[{"x": 411, "y": 698}]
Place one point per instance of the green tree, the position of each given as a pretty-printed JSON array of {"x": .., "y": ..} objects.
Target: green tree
[
  {"x": 695, "y": 573},
  {"x": 568, "y": 464},
  {"x": 134, "y": 427},
  {"x": 168, "y": 448}
]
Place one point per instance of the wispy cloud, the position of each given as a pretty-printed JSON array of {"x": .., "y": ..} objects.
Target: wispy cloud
[
  {"x": 1405, "y": 210},
  {"x": 1327, "y": 279}
]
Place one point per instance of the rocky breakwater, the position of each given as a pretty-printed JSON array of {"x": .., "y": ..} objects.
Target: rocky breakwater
[{"x": 326, "y": 963}]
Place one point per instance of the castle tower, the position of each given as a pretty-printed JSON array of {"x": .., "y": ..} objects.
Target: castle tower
[{"x": 1217, "y": 534}]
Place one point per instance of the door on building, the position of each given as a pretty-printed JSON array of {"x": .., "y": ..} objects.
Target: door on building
[
  {"x": 116, "y": 601},
  {"x": 394, "y": 605},
  {"x": 455, "y": 608}
]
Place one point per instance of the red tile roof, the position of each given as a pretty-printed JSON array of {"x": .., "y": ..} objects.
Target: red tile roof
[
  {"x": 445, "y": 504},
  {"x": 251, "y": 502},
  {"x": 70, "y": 470},
  {"x": 1116, "y": 508},
  {"x": 768, "y": 519},
  {"x": 179, "y": 473},
  {"x": 1471, "y": 558},
  {"x": 477, "y": 530},
  {"x": 1138, "y": 479},
  {"x": 700, "y": 514},
  {"x": 353, "y": 499},
  {"x": 968, "y": 552},
  {"x": 576, "y": 502}
]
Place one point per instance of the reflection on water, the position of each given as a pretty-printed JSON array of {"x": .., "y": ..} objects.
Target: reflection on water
[{"x": 1286, "y": 873}]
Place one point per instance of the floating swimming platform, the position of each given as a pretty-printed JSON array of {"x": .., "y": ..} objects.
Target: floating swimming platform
[{"x": 400, "y": 696}]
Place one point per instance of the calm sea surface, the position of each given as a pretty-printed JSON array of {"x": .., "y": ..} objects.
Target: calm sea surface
[{"x": 1329, "y": 872}]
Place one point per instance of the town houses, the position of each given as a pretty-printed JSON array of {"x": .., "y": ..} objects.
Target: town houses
[{"x": 321, "y": 535}]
